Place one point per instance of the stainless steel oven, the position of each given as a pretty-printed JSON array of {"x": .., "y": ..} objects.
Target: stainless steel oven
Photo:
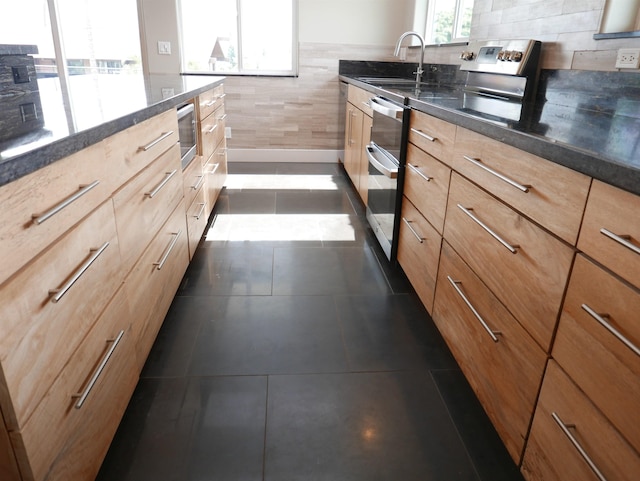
[
  {"x": 187, "y": 133},
  {"x": 386, "y": 154}
]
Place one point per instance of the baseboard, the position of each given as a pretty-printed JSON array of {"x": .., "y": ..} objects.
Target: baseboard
[{"x": 284, "y": 155}]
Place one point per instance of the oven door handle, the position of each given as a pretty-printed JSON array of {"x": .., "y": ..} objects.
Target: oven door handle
[
  {"x": 386, "y": 108},
  {"x": 371, "y": 149}
]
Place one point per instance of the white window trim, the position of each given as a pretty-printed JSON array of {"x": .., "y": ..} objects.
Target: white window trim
[{"x": 430, "y": 22}]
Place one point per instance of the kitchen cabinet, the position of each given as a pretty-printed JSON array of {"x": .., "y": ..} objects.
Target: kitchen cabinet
[
  {"x": 432, "y": 135},
  {"x": 357, "y": 137},
  {"x": 100, "y": 242}
]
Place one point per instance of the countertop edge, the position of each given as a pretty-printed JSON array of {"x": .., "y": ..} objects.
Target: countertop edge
[
  {"x": 585, "y": 162},
  {"x": 29, "y": 162}
]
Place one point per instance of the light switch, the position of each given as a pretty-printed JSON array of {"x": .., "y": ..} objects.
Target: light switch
[{"x": 164, "y": 48}]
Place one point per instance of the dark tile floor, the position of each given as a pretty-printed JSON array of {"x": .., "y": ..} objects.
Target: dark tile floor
[{"x": 294, "y": 351}]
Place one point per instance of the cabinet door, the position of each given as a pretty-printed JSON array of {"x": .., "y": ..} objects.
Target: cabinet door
[
  {"x": 363, "y": 181},
  {"x": 525, "y": 267},
  {"x": 551, "y": 455},
  {"x": 610, "y": 231},
  {"x": 426, "y": 185},
  {"x": 501, "y": 361},
  {"x": 193, "y": 178},
  {"x": 550, "y": 194},
  {"x": 598, "y": 344},
  {"x": 196, "y": 220},
  {"x": 352, "y": 150},
  {"x": 418, "y": 252}
]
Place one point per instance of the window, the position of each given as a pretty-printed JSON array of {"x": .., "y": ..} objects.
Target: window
[
  {"x": 256, "y": 37},
  {"x": 448, "y": 21}
]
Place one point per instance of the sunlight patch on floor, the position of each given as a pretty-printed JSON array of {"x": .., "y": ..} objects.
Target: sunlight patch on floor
[
  {"x": 281, "y": 182},
  {"x": 282, "y": 227}
]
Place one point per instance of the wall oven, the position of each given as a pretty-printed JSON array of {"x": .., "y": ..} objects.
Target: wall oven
[
  {"x": 386, "y": 155},
  {"x": 187, "y": 133}
]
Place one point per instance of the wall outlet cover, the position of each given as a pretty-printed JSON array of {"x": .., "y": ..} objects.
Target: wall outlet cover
[
  {"x": 227, "y": 132},
  {"x": 164, "y": 48},
  {"x": 628, "y": 58}
]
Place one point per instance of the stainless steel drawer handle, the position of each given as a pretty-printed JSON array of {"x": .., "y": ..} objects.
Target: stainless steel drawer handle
[
  {"x": 422, "y": 134},
  {"x": 40, "y": 218},
  {"x": 199, "y": 183},
  {"x": 159, "y": 187},
  {"x": 419, "y": 172},
  {"x": 57, "y": 294},
  {"x": 151, "y": 144},
  {"x": 366, "y": 104},
  {"x": 212, "y": 129},
  {"x": 600, "y": 318},
  {"x": 493, "y": 334},
  {"x": 199, "y": 214},
  {"x": 512, "y": 248},
  {"x": 220, "y": 97},
  {"x": 161, "y": 262},
  {"x": 222, "y": 152},
  {"x": 210, "y": 103},
  {"x": 417, "y": 236},
  {"x": 98, "y": 372},
  {"x": 477, "y": 162},
  {"x": 621, "y": 239},
  {"x": 565, "y": 429},
  {"x": 215, "y": 167},
  {"x": 222, "y": 118}
]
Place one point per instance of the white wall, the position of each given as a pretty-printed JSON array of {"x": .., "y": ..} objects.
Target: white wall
[{"x": 158, "y": 21}]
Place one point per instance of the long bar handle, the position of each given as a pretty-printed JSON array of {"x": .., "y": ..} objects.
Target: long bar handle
[
  {"x": 419, "y": 172},
  {"x": 491, "y": 332},
  {"x": 199, "y": 214},
  {"x": 211, "y": 130},
  {"x": 512, "y": 248},
  {"x": 161, "y": 262},
  {"x": 422, "y": 134},
  {"x": 58, "y": 294},
  {"x": 210, "y": 103},
  {"x": 621, "y": 239},
  {"x": 220, "y": 119},
  {"x": 159, "y": 187},
  {"x": 98, "y": 372},
  {"x": 199, "y": 183},
  {"x": 565, "y": 429},
  {"x": 215, "y": 167},
  {"x": 600, "y": 318},
  {"x": 151, "y": 144},
  {"x": 477, "y": 162},
  {"x": 408, "y": 223},
  {"x": 40, "y": 218}
]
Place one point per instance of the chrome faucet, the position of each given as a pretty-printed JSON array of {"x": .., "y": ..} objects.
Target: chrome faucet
[{"x": 397, "y": 53}]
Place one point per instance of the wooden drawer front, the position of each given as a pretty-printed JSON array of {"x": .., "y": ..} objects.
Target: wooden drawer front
[
  {"x": 211, "y": 132},
  {"x": 8, "y": 466},
  {"x": 61, "y": 438},
  {"x": 130, "y": 151},
  {"x": 67, "y": 190},
  {"x": 432, "y": 135},
  {"x": 426, "y": 185},
  {"x": 607, "y": 370},
  {"x": 530, "y": 281},
  {"x": 550, "y": 194},
  {"x": 216, "y": 173},
  {"x": 360, "y": 98},
  {"x": 551, "y": 456},
  {"x": 502, "y": 362},
  {"x": 155, "y": 278},
  {"x": 611, "y": 230},
  {"x": 193, "y": 178},
  {"x": 144, "y": 204},
  {"x": 196, "y": 220},
  {"x": 220, "y": 117},
  {"x": 418, "y": 252},
  {"x": 209, "y": 101},
  {"x": 38, "y": 334}
]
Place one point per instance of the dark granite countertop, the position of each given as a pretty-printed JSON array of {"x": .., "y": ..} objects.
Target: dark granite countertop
[
  {"x": 98, "y": 106},
  {"x": 587, "y": 121}
]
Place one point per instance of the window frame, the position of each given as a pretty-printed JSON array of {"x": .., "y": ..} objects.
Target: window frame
[
  {"x": 430, "y": 21},
  {"x": 293, "y": 72}
]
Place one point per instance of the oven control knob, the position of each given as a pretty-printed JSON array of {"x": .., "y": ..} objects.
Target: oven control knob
[
  {"x": 502, "y": 55},
  {"x": 515, "y": 56},
  {"x": 468, "y": 56}
]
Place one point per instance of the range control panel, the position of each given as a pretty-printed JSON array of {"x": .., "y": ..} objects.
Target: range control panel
[{"x": 508, "y": 57}]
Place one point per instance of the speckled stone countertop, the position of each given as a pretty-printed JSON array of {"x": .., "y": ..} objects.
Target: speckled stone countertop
[
  {"x": 587, "y": 121},
  {"x": 98, "y": 106}
]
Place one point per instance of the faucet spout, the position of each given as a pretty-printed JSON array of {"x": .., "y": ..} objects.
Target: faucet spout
[{"x": 419, "y": 72}]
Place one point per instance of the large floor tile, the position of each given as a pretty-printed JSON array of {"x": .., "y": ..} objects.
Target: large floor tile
[
  {"x": 364, "y": 426},
  {"x": 327, "y": 271},
  {"x": 314, "y": 202},
  {"x": 384, "y": 333},
  {"x": 191, "y": 430},
  {"x": 267, "y": 335}
]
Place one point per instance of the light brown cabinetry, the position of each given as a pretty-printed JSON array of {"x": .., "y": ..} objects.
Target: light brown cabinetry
[
  {"x": 357, "y": 136},
  {"x": 432, "y": 135},
  {"x": 82, "y": 299}
]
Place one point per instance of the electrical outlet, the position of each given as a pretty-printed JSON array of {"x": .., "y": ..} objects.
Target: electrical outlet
[
  {"x": 227, "y": 132},
  {"x": 628, "y": 58},
  {"x": 164, "y": 48}
]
